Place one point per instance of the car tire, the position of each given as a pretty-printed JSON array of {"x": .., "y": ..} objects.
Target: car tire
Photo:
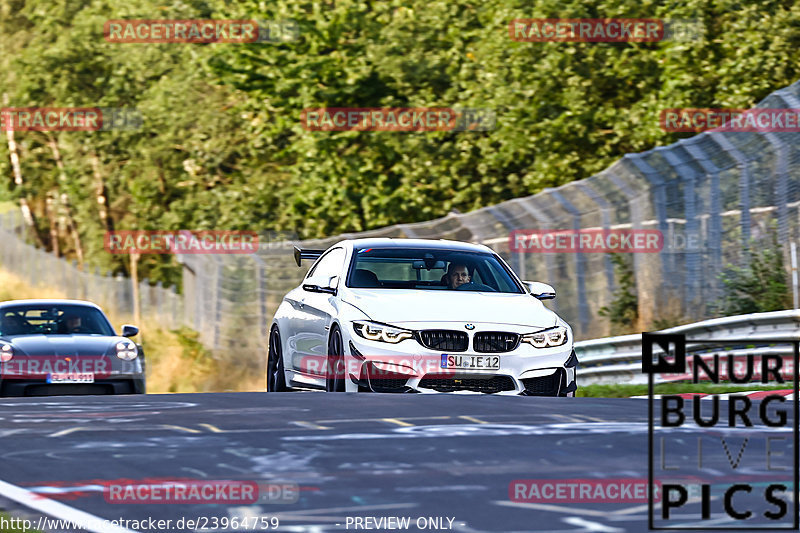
[
  {"x": 334, "y": 380},
  {"x": 138, "y": 386},
  {"x": 276, "y": 376}
]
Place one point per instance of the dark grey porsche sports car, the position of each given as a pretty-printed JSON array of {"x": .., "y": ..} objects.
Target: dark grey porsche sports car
[{"x": 66, "y": 347}]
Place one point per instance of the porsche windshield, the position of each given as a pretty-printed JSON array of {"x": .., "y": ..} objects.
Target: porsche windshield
[
  {"x": 429, "y": 269},
  {"x": 53, "y": 320}
]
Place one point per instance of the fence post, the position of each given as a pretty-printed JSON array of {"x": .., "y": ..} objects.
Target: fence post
[
  {"x": 795, "y": 301},
  {"x": 605, "y": 207},
  {"x": 744, "y": 191},
  {"x": 173, "y": 305},
  {"x": 123, "y": 302},
  {"x": 579, "y": 258},
  {"x": 262, "y": 296},
  {"x": 159, "y": 298},
  {"x": 217, "y": 302}
]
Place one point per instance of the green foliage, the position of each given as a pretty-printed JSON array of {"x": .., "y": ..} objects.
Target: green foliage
[
  {"x": 195, "y": 368},
  {"x": 566, "y": 110},
  {"x": 758, "y": 286},
  {"x": 668, "y": 322},
  {"x": 626, "y": 391},
  {"x": 222, "y": 145},
  {"x": 624, "y": 309},
  {"x": 18, "y": 525}
]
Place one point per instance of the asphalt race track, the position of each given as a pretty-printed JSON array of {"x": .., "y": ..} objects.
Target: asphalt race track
[{"x": 449, "y": 459}]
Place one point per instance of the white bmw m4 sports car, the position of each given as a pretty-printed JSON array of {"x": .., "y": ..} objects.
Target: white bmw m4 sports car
[{"x": 408, "y": 315}]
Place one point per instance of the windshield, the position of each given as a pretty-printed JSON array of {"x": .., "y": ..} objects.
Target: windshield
[
  {"x": 53, "y": 320},
  {"x": 429, "y": 269}
]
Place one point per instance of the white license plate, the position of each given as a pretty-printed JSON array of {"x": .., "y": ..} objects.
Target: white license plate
[
  {"x": 70, "y": 377},
  {"x": 471, "y": 362}
]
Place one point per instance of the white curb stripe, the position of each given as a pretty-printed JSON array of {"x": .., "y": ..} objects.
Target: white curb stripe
[{"x": 81, "y": 519}]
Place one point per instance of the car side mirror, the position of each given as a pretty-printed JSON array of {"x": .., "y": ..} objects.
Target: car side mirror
[
  {"x": 129, "y": 331},
  {"x": 330, "y": 288},
  {"x": 541, "y": 291}
]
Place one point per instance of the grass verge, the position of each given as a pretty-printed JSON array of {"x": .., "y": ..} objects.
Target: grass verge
[
  {"x": 626, "y": 391},
  {"x": 6, "y": 522}
]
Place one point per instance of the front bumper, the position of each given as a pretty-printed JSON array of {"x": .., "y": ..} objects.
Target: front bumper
[
  {"x": 410, "y": 367},
  {"x": 28, "y": 375},
  {"x": 31, "y": 387}
]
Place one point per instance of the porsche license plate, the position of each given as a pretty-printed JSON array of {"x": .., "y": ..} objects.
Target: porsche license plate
[
  {"x": 70, "y": 377},
  {"x": 471, "y": 362}
]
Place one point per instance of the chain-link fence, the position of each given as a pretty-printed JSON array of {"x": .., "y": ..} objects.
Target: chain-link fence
[
  {"x": 713, "y": 197},
  {"x": 113, "y": 293}
]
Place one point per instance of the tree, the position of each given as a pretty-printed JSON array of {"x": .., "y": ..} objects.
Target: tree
[
  {"x": 758, "y": 286},
  {"x": 222, "y": 145},
  {"x": 624, "y": 309}
]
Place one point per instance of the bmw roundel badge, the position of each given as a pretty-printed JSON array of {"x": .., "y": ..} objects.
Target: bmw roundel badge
[{"x": 469, "y": 326}]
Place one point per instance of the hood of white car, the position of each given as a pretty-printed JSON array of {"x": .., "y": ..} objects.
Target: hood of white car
[{"x": 397, "y": 306}]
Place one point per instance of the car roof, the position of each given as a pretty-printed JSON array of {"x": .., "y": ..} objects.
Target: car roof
[
  {"x": 439, "y": 244},
  {"x": 10, "y": 303}
]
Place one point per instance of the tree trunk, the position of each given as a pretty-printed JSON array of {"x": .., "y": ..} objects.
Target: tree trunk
[
  {"x": 64, "y": 204},
  {"x": 27, "y": 214},
  {"x": 52, "y": 218},
  {"x": 101, "y": 193}
]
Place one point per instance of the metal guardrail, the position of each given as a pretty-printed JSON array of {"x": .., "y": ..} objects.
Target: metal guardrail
[{"x": 619, "y": 359}]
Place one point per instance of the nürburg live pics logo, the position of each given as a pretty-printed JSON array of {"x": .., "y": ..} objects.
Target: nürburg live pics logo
[{"x": 723, "y": 461}]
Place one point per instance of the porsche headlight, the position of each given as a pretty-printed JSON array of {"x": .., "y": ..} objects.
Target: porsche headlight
[
  {"x": 547, "y": 338},
  {"x": 6, "y": 352},
  {"x": 127, "y": 350},
  {"x": 381, "y": 332}
]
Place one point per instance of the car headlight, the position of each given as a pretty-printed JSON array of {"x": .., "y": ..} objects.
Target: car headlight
[
  {"x": 374, "y": 331},
  {"x": 127, "y": 350},
  {"x": 6, "y": 352},
  {"x": 547, "y": 338}
]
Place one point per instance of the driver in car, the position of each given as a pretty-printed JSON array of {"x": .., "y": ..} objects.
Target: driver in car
[
  {"x": 11, "y": 325},
  {"x": 71, "y": 324},
  {"x": 457, "y": 275}
]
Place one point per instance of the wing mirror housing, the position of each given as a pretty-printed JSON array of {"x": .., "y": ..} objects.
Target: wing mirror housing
[
  {"x": 129, "y": 331},
  {"x": 330, "y": 288},
  {"x": 540, "y": 291}
]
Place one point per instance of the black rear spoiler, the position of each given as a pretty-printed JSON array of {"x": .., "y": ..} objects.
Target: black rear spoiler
[{"x": 300, "y": 254}]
